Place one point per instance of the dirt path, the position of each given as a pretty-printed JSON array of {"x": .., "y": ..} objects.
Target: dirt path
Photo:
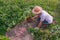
[{"x": 19, "y": 32}]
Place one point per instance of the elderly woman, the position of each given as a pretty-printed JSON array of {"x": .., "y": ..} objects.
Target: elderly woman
[{"x": 44, "y": 18}]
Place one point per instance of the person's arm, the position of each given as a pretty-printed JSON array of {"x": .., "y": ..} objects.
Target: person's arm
[
  {"x": 42, "y": 18},
  {"x": 35, "y": 17},
  {"x": 40, "y": 24}
]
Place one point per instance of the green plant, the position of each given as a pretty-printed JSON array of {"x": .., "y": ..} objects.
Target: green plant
[
  {"x": 52, "y": 34},
  {"x": 3, "y": 38},
  {"x": 16, "y": 11}
]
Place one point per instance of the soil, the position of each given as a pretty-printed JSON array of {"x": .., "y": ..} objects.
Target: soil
[{"x": 20, "y": 31}]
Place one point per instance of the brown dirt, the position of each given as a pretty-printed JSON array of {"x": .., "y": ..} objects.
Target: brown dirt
[{"x": 20, "y": 31}]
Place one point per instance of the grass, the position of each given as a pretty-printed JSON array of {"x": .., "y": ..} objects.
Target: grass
[
  {"x": 15, "y": 11},
  {"x": 3, "y": 38}
]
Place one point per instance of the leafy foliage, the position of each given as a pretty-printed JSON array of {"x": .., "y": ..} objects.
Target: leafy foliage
[
  {"x": 47, "y": 34},
  {"x": 15, "y": 11},
  {"x": 3, "y": 38}
]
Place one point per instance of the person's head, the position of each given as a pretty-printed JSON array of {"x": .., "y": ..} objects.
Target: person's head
[{"x": 37, "y": 10}]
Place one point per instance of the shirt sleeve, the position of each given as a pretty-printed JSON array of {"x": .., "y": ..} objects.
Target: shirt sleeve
[{"x": 42, "y": 17}]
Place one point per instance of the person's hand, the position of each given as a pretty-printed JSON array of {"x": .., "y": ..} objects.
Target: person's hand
[{"x": 32, "y": 18}]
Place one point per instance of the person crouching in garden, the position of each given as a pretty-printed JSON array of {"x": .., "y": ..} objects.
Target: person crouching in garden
[{"x": 44, "y": 18}]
